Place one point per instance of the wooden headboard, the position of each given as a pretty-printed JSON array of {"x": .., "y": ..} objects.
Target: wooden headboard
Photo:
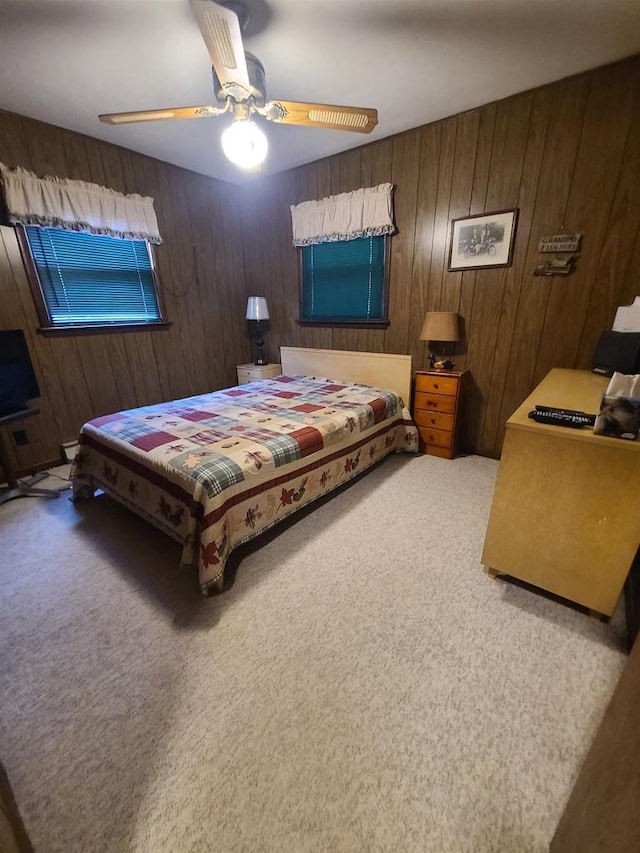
[{"x": 370, "y": 368}]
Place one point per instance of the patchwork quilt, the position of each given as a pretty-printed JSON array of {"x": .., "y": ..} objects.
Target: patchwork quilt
[{"x": 218, "y": 469}]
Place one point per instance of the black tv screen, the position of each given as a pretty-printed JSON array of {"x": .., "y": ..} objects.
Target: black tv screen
[{"x": 17, "y": 378}]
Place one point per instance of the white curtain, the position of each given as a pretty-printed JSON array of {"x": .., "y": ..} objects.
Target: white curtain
[
  {"x": 77, "y": 206},
  {"x": 361, "y": 213}
]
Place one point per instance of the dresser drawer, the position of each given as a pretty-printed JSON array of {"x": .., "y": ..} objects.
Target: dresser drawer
[
  {"x": 436, "y": 437},
  {"x": 433, "y": 402},
  {"x": 437, "y": 384},
  {"x": 439, "y": 420}
]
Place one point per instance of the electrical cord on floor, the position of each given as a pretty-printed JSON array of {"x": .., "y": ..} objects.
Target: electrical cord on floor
[
  {"x": 25, "y": 480},
  {"x": 57, "y": 476}
]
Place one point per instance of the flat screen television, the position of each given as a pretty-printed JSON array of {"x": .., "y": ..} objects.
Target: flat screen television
[{"x": 17, "y": 378}]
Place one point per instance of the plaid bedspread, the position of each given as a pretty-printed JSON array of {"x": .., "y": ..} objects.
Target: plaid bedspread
[{"x": 218, "y": 469}]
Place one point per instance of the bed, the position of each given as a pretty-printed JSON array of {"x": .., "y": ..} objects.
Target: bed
[{"x": 216, "y": 470}]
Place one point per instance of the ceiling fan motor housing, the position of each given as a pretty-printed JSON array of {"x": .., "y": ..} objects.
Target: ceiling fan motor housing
[{"x": 256, "y": 80}]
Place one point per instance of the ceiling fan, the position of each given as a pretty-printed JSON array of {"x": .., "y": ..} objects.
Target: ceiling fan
[{"x": 239, "y": 86}]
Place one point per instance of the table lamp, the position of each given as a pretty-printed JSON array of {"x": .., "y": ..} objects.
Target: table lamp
[
  {"x": 441, "y": 326},
  {"x": 258, "y": 312}
]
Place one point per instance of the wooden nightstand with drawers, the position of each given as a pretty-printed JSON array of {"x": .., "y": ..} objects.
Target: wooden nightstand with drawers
[
  {"x": 436, "y": 409},
  {"x": 254, "y": 372}
]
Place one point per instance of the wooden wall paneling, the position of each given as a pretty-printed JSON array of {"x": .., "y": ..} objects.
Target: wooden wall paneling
[
  {"x": 629, "y": 286},
  {"x": 493, "y": 433},
  {"x": 288, "y": 259},
  {"x": 13, "y": 143},
  {"x": 234, "y": 279},
  {"x": 509, "y": 146},
  {"x": 428, "y": 159},
  {"x": 606, "y": 127},
  {"x": 195, "y": 342},
  {"x": 439, "y": 248},
  {"x": 178, "y": 285},
  {"x": 568, "y": 104},
  {"x": 406, "y": 160},
  {"x": 236, "y": 276},
  {"x": 227, "y": 243},
  {"x": 375, "y": 168},
  {"x": 467, "y": 130},
  {"x": 617, "y": 249},
  {"x": 283, "y": 283},
  {"x": 213, "y": 300},
  {"x": 482, "y": 165}
]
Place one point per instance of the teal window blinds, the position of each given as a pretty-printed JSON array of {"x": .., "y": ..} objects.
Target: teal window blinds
[
  {"x": 344, "y": 281},
  {"x": 93, "y": 280}
]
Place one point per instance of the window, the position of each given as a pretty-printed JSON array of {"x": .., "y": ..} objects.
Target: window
[
  {"x": 91, "y": 281},
  {"x": 345, "y": 282}
]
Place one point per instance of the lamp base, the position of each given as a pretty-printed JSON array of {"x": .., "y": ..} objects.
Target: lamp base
[{"x": 260, "y": 359}]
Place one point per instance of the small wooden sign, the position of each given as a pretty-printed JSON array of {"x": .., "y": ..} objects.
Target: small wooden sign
[{"x": 560, "y": 243}]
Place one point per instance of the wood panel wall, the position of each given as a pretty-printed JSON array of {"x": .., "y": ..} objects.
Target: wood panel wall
[
  {"x": 567, "y": 155},
  {"x": 202, "y": 281}
]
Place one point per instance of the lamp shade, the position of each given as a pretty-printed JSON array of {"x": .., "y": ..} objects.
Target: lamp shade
[
  {"x": 440, "y": 326},
  {"x": 257, "y": 308}
]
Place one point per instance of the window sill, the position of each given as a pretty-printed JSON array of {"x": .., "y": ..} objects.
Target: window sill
[
  {"x": 112, "y": 328},
  {"x": 347, "y": 324}
]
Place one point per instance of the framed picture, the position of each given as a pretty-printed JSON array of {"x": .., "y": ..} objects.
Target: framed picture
[{"x": 482, "y": 241}]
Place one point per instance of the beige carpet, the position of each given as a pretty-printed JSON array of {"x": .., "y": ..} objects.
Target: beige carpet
[{"x": 363, "y": 686}]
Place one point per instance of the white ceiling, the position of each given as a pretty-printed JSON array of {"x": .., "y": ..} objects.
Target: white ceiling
[{"x": 65, "y": 61}]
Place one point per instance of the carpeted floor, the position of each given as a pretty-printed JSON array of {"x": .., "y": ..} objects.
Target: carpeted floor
[{"x": 363, "y": 686}]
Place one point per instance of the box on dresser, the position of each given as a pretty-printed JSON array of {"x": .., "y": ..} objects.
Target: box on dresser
[{"x": 436, "y": 410}]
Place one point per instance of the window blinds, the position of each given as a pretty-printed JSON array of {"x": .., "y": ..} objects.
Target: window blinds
[
  {"x": 89, "y": 279},
  {"x": 344, "y": 281}
]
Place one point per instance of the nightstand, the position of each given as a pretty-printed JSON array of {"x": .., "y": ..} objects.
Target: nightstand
[
  {"x": 254, "y": 372},
  {"x": 436, "y": 407}
]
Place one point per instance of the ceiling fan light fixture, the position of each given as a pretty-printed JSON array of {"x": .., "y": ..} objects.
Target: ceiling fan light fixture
[{"x": 245, "y": 144}]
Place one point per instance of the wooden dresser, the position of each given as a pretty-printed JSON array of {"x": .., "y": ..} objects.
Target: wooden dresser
[
  {"x": 565, "y": 515},
  {"x": 436, "y": 410}
]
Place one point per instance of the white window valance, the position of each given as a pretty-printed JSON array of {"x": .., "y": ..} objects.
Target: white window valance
[
  {"x": 77, "y": 206},
  {"x": 362, "y": 213}
]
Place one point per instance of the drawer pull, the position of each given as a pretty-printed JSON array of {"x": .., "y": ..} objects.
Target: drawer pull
[
  {"x": 435, "y": 385},
  {"x": 433, "y": 421}
]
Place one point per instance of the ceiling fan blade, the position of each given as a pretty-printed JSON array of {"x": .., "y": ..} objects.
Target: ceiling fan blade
[
  {"x": 156, "y": 115},
  {"x": 220, "y": 30},
  {"x": 358, "y": 119}
]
